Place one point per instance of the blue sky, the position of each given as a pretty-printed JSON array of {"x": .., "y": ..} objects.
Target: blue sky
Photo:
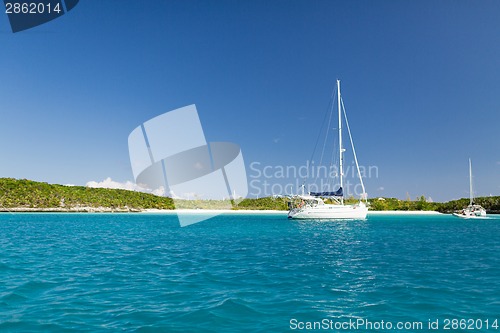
[{"x": 420, "y": 81}]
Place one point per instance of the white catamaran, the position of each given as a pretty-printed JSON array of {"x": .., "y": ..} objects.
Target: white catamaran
[
  {"x": 472, "y": 210},
  {"x": 312, "y": 206}
]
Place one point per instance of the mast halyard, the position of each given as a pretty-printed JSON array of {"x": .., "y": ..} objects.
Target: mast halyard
[
  {"x": 471, "y": 195},
  {"x": 363, "y": 195},
  {"x": 341, "y": 171}
]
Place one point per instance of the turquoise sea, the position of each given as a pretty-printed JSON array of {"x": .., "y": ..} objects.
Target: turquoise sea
[{"x": 243, "y": 273}]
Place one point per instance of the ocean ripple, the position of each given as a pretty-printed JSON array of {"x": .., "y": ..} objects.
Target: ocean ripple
[{"x": 134, "y": 272}]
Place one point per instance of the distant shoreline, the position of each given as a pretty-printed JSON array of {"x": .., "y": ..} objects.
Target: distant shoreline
[
  {"x": 189, "y": 211},
  {"x": 404, "y": 212},
  {"x": 68, "y": 210},
  {"x": 278, "y": 212},
  {"x": 213, "y": 211}
]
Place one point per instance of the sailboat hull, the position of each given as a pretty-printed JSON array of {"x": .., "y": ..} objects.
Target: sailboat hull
[
  {"x": 472, "y": 212},
  {"x": 330, "y": 212},
  {"x": 470, "y": 216}
]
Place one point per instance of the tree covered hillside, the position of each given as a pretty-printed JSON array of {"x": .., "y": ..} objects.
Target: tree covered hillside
[{"x": 30, "y": 194}]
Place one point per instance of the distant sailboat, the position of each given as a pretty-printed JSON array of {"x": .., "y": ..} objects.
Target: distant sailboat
[
  {"x": 472, "y": 210},
  {"x": 312, "y": 206}
]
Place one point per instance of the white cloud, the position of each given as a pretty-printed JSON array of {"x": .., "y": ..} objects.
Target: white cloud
[
  {"x": 381, "y": 188},
  {"x": 184, "y": 196},
  {"x": 159, "y": 191},
  {"x": 109, "y": 183},
  {"x": 128, "y": 185}
]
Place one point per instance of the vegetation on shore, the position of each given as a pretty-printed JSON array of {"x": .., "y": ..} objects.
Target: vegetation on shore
[
  {"x": 22, "y": 193},
  {"x": 25, "y": 194},
  {"x": 491, "y": 204},
  {"x": 395, "y": 204}
]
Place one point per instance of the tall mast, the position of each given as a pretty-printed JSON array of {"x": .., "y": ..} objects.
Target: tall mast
[
  {"x": 341, "y": 171},
  {"x": 470, "y": 183}
]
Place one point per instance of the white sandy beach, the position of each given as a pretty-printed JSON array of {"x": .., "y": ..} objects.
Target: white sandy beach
[
  {"x": 404, "y": 212},
  {"x": 190, "y": 211},
  {"x": 276, "y": 212},
  {"x": 213, "y": 211}
]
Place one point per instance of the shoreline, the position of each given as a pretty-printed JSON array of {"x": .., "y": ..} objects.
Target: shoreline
[
  {"x": 82, "y": 209},
  {"x": 214, "y": 211},
  {"x": 277, "y": 212},
  {"x": 190, "y": 211},
  {"x": 405, "y": 212}
]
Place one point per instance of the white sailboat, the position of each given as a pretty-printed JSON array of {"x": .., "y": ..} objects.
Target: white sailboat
[
  {"x": 472, "y": 210},
  {"x": 313, "y": 206}
]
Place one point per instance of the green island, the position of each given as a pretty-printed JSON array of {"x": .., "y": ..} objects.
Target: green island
[{"x": 21, "y": 195}]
